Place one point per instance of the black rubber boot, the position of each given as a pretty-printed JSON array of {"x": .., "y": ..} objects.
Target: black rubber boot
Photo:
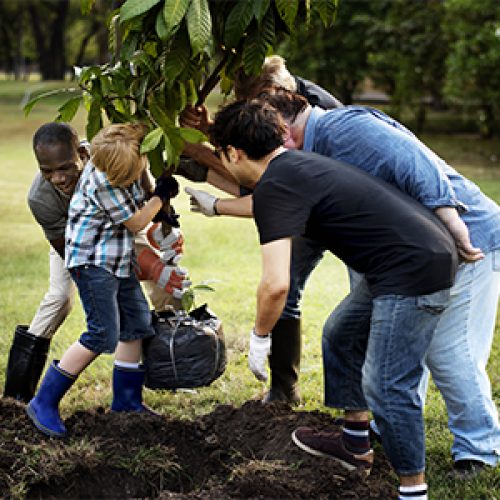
[
  {"x": 27, "y": 359},
  {"x": 284, "y": 362}
]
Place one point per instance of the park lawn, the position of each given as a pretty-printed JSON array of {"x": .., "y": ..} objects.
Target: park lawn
[{"x": 224, "y": 251}]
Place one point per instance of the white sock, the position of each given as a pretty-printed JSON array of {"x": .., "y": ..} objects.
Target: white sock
[
  {"x": 127, "y": 364},
  {"x": 416, "y": 492}
]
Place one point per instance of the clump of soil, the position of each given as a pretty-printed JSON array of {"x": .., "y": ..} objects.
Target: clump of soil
[{"x": 230, "y": 453}]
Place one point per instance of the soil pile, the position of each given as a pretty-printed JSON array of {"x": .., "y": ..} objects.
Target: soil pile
[{"x": 230, "y": 453}]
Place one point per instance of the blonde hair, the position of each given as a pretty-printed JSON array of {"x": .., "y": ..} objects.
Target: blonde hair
[
  {"x": 274, "y": 75},
  {"x": 115, "y": 150}
]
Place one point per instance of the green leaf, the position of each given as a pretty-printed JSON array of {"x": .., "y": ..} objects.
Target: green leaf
[
  {"x": 29, "y": 105},
  {"x": 68, "y": 110},
  {"x": 192, "y": 135},
  {"x": 173, "y": 12},
  {"x": 237, "y": 22},
  {"x": 156, "y": 163},
  {"x": 287, "y": 10},
  {"x": 187, "y": 300},
  {"x": 129, "y": 46},
  {"x": 146, "y": 62},
  {"x": 161, "y": 27},
  {"x": 176, "y": 61},
  {"x": 256, "y": 45},
  {"x": 205, "y": 288},
  {"x": 94, "y": 119},
  {"x": 86, "y": 6},
  {"x": 327, "y": 10},
  {"x": 199, "y": 23},
  {"x": 151, "y": 140},
  {"x": 134, "y": 8},
  {"x": 260, "y": 7}
]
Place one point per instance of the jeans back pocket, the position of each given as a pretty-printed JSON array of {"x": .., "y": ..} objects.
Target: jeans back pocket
[{"x": 435, "y": 302}]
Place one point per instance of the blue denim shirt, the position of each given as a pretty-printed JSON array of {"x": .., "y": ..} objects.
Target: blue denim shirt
[{"x": 369, "y": 139}]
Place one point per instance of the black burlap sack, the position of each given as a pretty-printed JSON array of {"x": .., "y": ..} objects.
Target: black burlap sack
[{"x": 187, "y": 351}]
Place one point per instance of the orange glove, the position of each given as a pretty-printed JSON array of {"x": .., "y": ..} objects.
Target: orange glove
[
  {"x": 170, "y": 246},
  {"x": 170, "y": 278}
]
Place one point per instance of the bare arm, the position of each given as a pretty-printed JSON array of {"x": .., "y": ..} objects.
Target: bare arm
[
  {"x": 58, "y": 246},
  {"x": 143, "y": 217},
  {"x": 237, "y": 207},
  {"x": 274, "y": 284},
  {"x": 457, "y": 228}
]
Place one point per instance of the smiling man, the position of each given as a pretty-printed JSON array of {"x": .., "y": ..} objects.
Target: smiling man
[{"x": 407, "y": 256}]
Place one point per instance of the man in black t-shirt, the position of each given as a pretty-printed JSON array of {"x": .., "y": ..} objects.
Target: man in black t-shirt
[
  {"x": 406, "y": 254},
  {"x": 284, "y": 361}
]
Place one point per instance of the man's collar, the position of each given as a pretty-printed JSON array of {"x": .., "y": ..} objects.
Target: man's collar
[{"x": 309, "y": 129}]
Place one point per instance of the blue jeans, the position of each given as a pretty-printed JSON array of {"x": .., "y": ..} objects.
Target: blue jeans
[
  {"x": 306, "y": 254},
  {"x": 373, "y": 355},
  {"x": 115, "y": 308},
  {"x": 457, "y": 359}
]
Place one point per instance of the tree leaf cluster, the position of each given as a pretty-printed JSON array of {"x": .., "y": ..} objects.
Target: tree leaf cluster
[{"x": 167, "y": 54}]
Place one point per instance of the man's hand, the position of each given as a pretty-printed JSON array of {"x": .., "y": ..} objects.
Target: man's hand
[
  {"x": 191, "y": 170},
  {"x": 202, "y": 202},
  {"x": 195, "y": 117},
  {"x": 260, "y": 348},
  {"x": 457, "y": 228}
]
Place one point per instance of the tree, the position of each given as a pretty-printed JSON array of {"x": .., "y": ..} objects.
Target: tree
[
  {"x": 334, "y": 57},
  {"x": 473, "y": 64},
  {"x": 48, "y": 22},
  {"x": 168, "y": 53},
  {"x": 407, "y": 49}
]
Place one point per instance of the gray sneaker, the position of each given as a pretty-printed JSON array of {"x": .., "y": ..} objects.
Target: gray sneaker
[{"x": 331, "y": 445}]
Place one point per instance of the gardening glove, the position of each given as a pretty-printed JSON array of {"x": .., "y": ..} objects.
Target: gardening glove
[
  {"x": 170, "y": 217},
  {"x": 191, "y": 170},
  {"x": 166, "y": 188},
  {"x": 170, "y": 246},
  {"x": 260, "y": 348},
  {"x": 172, "y": 279},
  {"x": 202, "y": 202}
]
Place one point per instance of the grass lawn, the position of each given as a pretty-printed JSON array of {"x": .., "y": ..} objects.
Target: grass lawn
[{"x": 224, "y": 250}]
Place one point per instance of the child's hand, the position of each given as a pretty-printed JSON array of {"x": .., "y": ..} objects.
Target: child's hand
[{"x": 166, "y": 188}]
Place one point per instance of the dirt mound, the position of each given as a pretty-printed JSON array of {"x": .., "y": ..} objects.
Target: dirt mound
[{"x": 230, "y": 453}]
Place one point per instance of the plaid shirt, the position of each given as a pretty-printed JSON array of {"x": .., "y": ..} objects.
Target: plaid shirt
[{"x": 95, "y": 234}]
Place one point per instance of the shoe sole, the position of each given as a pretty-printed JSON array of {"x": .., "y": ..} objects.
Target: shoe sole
[
  {"x": 45, "y": 430},
  {"x": 318, "y": 453}
]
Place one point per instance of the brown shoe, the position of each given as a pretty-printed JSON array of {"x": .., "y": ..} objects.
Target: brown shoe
[{"x": 330, "y": 444}]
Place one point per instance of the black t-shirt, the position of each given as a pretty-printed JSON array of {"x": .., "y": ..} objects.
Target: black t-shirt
[
  {"x": 316, "y": 95},
  {"x": 400, "y": 246}
]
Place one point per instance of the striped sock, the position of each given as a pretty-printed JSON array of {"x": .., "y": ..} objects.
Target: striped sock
[
  {"x": 417, "y": 492},
  {"x": 127, "y": 364},
  {"x": 356, "y": 436}
]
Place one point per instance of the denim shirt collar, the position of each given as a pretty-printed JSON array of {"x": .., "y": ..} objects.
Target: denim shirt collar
[{"x": 310, "y": 127}]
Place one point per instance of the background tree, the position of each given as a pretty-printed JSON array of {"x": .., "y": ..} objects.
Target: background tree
[
  {"x": 407, "y": 49},
  {"x": 334, "y": 56},
  {"x": 11, "y": 31},
  {"x": 473, "y": 64}
]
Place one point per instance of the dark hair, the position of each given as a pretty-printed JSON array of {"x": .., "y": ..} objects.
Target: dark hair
[
  {"x": 56, "y": 133},
  {"x": 253, "y": 126},
  {"x": 289, "y": 104}
]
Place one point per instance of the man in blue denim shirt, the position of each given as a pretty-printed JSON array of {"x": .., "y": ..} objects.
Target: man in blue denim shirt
[{"x": 457, "y": 357}]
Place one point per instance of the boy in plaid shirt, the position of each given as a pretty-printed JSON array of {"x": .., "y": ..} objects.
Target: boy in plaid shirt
[{"x": 105, "y": 211}]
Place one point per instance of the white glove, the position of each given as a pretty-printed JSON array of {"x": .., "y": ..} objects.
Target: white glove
[
  {"x": 260, "y": 348},
  {"x": 202, "y": 202}
]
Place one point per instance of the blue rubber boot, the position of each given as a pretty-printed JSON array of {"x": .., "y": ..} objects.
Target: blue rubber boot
[
  {"x": 43, "y": 409},
  {"x": 127, "y": 390}
]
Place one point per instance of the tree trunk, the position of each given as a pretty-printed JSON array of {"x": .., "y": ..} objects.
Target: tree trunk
[{"x": 49, "y": 31}]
